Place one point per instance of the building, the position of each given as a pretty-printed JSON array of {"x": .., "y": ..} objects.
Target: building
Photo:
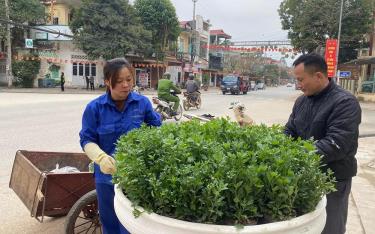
[{"x": 58, "y": 54}]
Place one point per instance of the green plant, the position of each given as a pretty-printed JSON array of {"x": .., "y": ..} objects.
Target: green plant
[
  {"x": 220, "y": 173},
  {"x": 205, "y": 79},
  {"x": 25, "y": 72}
]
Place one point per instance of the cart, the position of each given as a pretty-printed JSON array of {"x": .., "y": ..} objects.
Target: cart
[{"x": 46, "y": 193}]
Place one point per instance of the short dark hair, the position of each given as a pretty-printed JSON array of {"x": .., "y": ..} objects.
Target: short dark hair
[
  {"x": 312, "y": 62},
  {"x": 112, "y": 68}
]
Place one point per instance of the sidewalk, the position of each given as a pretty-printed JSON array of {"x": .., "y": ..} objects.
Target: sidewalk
[{"x": 362, "y": 197}]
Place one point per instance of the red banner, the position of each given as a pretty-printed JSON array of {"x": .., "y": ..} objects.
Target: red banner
[{"x": 331, "y": 49}]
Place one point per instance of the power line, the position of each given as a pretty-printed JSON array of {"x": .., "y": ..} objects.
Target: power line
[{"x": 35, "y": 27}]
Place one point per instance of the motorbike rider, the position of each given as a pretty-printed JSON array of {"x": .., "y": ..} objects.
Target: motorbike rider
[
  {"x": 192, "y": 88},
  {"x": 165, "y": 85}
]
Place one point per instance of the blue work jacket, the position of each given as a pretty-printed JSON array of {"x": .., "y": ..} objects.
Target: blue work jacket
[{"x": 103, "y": 124}]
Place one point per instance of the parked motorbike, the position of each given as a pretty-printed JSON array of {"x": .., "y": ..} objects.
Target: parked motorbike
[
  {"x": 166, "y": 108},
  {"x": 191, "y": 101}
]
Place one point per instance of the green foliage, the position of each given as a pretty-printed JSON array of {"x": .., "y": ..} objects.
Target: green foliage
[
  {"x": 109, "y": 29},
  {"x": 205, "y": 79},
  {"x": 22, "y": 11},
  {"x": 159, "y": 17},
  {"x": 24, "y": 72},
  {"x": 310, "y": 22},
  {"x": 220, "y": 173}
]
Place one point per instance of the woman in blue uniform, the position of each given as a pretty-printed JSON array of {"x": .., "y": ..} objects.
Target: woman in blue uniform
[{"x": 104, "y": 120}]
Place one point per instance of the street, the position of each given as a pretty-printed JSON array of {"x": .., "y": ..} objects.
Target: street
[{"x": 51, "y": 122}]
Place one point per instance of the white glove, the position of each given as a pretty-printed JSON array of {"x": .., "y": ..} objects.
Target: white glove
[{"x": 106, "y": 163}]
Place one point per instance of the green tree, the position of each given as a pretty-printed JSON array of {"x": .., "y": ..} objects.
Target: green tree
[
  {"x": 159, "y": 16},
  {"x": 24, "y": 72},
  {"x": 310, "y": 22},
  {"x": 109, "y": 29},
  {"x": 30, "y": 12}
]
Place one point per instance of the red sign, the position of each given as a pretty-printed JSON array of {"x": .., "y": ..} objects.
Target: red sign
[{"x": 331, "y": 49}]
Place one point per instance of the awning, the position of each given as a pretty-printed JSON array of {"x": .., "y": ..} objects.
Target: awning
[{"x": 362, "y": 60}]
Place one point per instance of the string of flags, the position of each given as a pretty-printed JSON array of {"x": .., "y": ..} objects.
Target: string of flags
[{"x": 250, "y": 49}]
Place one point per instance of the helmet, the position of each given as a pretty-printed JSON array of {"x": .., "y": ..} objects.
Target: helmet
[{"x": 191, "y": 76}]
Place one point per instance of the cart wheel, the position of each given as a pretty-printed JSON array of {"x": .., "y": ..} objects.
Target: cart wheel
[
  {"x": 83, "y": 217},
  {"x": 185, "y": 105}
]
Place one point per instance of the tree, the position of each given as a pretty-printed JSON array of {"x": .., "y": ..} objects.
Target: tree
[
  {"x": 29, "y": 12},
  {"x": 159, "y": 17},
  {"x": 25, "y": 72},
  {"x": 109, "y": 29},
  {"x": 310, "y": 22}
]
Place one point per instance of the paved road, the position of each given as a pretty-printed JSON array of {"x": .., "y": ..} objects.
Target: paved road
[{"x": 51, "y": 122}]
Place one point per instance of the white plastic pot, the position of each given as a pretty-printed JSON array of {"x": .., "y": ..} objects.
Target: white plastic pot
[{"x": 151, "y": 223}]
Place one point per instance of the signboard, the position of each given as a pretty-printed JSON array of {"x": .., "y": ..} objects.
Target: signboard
[
  {"x": 143, "y": 79},
  {"x": 330, "y": 56},
  {"x": 29, "y": 43},
  {"x": 345, "y": 74},
  {"x": 41, "y": 36}
]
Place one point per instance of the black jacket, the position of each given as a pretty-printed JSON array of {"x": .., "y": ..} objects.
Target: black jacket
[{"x": 332, "y": 118}]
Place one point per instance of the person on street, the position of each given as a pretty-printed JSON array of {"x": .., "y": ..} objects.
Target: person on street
[
  {"x": 87, "y": 82},
  {"x": 62, "y": 81},
  {"x": 331, "y": 116},
  {"x": 192, "y": 87},
  {"x": 104, "y": 120},
  {"x": 92, "y": 83},
  {"x": 165, "y": 85}
]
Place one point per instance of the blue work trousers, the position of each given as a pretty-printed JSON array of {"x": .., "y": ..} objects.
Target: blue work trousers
[{"x": 108, "y": 218}]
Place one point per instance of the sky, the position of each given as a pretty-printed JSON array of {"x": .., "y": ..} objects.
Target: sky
[{"x": 244, "y": 20}]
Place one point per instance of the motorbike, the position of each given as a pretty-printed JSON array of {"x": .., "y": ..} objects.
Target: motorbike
[
  {"x": 166, "y": 108},
  {"x": 191, "y": 101}
]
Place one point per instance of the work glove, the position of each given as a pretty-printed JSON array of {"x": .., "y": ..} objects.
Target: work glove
[{"x": 106, "y": 163}]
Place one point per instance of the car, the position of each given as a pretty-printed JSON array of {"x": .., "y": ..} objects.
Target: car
[
  {"x": 261, "y": 85},
  {"x": 289, "y": 85},
  {"x": 368, "y": 86},
  {"x": 297, "y": 87},
  {"x": 234, "y": 84}
]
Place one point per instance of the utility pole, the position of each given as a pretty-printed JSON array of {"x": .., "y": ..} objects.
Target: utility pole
[
  {"x": 9, "y": 48},
  {"x": 193, "y": 39},
  {"x": 338, "y": 42}
]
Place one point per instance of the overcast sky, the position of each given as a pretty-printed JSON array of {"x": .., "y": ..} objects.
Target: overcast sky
[{"x": 242, "y": 19}]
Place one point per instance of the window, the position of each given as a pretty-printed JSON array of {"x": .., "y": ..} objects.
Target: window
[
  {"x": 93, "y": 69},
  {"x": 80, "y": 71},
  {"x": 74, "y": 69},
  {"x": 55, "y": 20},
  {"x": 87, "y": 69}
]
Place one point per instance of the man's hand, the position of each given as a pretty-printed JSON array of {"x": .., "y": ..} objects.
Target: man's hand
[{"x": 106, "y": 163}]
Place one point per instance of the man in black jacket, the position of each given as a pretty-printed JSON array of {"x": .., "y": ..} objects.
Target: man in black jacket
[{"x": 331, "y": 116}]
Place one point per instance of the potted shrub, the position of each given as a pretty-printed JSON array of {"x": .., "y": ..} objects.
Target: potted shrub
[
  {"x": 205, "y": 81},
  {"x": 219, "y": 178}
]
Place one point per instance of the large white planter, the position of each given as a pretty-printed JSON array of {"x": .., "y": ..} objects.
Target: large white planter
[{"x": 152, "y": 223}]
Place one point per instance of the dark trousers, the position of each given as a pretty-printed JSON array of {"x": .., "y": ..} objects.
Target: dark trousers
[
  {"x": 92, "y": 87},
  {"x": 337, "y": 208},
  {"x": 108, "y": 218},
  {"x": 62, "y": 87}
]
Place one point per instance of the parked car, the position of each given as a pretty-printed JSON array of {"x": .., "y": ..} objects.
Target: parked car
[
  {"x": 234, "y": 84},
  {"x": 261, "y": 85},
  {"x": 368, "y": 86},
  {"x": 253, "y": 86},
  {"x": 289, "y": 85}
]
